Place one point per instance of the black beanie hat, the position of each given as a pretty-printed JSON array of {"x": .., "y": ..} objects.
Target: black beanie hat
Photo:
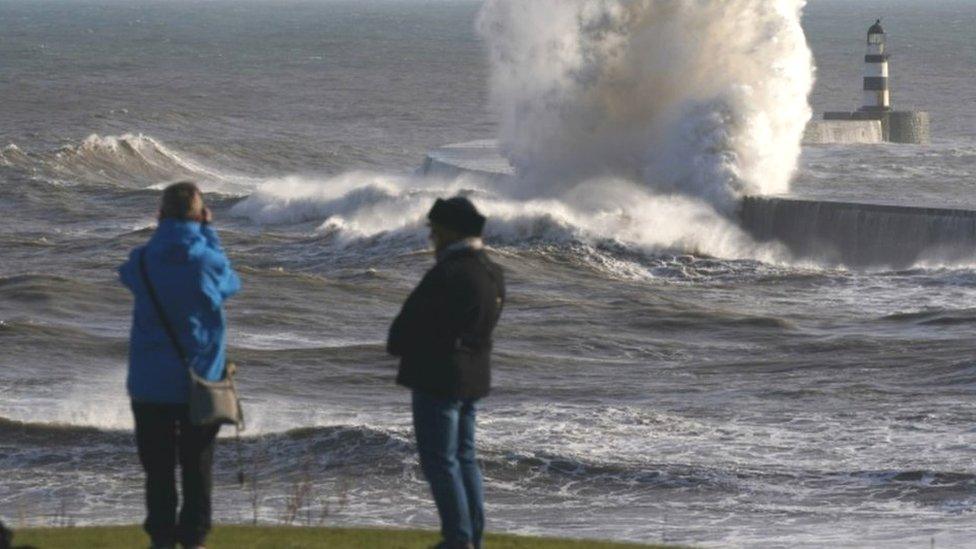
[{"x": 458, "y": 214}]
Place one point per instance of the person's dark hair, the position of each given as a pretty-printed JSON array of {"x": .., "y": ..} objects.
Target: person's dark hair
[{"x": 178, "y": 200}]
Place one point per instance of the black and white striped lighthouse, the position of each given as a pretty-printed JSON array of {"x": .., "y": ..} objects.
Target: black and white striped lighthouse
[
  {"x": 876, "y": 95},
  {"x": 875, "y": 121}
]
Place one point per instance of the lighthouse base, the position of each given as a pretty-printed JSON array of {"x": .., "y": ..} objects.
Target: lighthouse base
[
  {"x": 911, "y": 127},
  {"x": 848, "y": 132},
  {"x": 908, "y": 127}
]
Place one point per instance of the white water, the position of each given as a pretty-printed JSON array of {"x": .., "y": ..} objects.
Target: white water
[
  {"x": 637, "y": 122},
  {"x": 705, "y": 99},
  {"x": 362, "y": 204}
]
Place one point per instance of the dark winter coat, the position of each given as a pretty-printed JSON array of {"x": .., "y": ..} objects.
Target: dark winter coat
[{"x": 443, "y": 333}]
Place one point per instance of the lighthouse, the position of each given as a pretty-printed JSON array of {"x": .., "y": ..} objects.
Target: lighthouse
[
  {"x": 877, "y": 98},
  {"x": 875, "y": 121}
]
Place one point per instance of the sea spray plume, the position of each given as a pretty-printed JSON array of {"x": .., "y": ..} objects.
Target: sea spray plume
[
  {"x": 706, "y": 98},
  {"x": 629, "y": 121}
]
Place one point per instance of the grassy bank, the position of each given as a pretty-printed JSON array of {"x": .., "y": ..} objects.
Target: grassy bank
[{"x": 228, "y": 537}]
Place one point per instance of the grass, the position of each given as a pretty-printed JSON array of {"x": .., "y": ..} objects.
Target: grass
[{"x": 257, "y": 537}]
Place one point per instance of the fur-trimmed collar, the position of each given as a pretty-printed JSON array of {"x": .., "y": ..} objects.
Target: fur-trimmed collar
[{"x": 471, "y": 243}]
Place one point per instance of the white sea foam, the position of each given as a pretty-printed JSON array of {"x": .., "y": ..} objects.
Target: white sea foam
[
  {"x": 704, "y": 99},
  {"x": 11, "y": 155},
  {"x": 363, "y": 204},
  {"x": 96, "y": 401}
]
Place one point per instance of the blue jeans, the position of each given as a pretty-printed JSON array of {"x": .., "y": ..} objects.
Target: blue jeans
[{"x": 445, "y": 441}]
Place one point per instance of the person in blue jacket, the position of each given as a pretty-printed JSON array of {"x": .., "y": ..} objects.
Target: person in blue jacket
[{"x": 192, "y": 278}]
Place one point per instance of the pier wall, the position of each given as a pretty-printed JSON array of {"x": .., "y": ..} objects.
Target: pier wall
[{"x": 862, "y": 235}]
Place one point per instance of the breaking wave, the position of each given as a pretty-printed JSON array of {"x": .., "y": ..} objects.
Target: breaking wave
[
  {"x": 361, "y": 204},
  {"x": 127, "y": 160},
  {"x": 282, "y": 454}
]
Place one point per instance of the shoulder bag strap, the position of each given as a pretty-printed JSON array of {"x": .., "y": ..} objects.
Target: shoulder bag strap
[{"x": 159, "y": 309}]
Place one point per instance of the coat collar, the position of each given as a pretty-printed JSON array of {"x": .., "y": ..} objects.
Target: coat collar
[{"x": 471, "y": 244}]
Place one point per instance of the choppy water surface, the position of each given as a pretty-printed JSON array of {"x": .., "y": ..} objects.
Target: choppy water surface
[{"x": 704, "y": 391}]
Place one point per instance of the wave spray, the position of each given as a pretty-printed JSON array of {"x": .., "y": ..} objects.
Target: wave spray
[
  {"x": 635, "y": 121},
  {"x": 701, "y": 98}
]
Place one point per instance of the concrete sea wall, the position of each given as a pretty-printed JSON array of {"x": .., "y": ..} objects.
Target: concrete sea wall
[{"x": 862, "y": 235}]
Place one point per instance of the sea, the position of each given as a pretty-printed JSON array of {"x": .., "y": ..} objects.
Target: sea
[{"x": 685, "y": 386}]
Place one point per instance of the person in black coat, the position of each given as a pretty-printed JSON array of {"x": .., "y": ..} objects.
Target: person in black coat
[{"x": 443, "y": 336}]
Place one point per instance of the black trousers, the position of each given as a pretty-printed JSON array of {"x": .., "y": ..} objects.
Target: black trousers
[{"x": 163, "y": 435}]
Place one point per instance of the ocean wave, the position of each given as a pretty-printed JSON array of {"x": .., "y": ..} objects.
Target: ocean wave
[
  {"x": 386, "y": 211},
  {"x": 359, "y": 445},
  {"x": 49, "y": 287},
  {"x": 12, "y": 155},
  {"x": 281, "y": 451},
  {"x": 285, "y": 452},
  {"x": 68, "y": 337},
  {"x": 922, "y": 477},
  {"x": 934, "y": 318},
  {"x": 372, "y": 451},
  {"x": 26, "y": 433},
  {"x": 131, "y": 160},
  {"x": 358, "y": 206},
  {"x": 32, "y": 280}
]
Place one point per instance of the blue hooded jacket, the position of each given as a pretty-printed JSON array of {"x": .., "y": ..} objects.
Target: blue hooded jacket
[{"x": 192, "y": 277}]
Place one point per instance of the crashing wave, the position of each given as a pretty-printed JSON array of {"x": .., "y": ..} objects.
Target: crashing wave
[
  {"x": 701, "y": 99},
  {"x": 128, "y": 160},
  {"x": 362, "y": 204},
  {"x": 638, "y": 123}
]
